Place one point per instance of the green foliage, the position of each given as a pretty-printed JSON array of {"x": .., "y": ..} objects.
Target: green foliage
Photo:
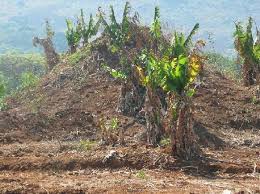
[
  {"x": 117, "y": 74},
  {"x": 76, "y": 57},
  {"x": 114, "y": 123},
  {"x": 2, "y": 86},
  {"x": 86, "y": 145},
  {"x": 88, "y": 30},
  {"x": 14, "y": 64},
  {"x": 141, "y": 174},
  {"x": 28, "y": 80},
  {"x": 180, "y": 44},
  {"x": 165, "y": 141},
  {"x": 244, "y": 43},
  {"x": 156, "y": 30},
  {"x": 176, "y": 69},
  {"x": 73, "y": 35},
  {"x": 119, "y": 33},
  {"x": 226, "y": 65},
  {"x": 2, "y": 91}
]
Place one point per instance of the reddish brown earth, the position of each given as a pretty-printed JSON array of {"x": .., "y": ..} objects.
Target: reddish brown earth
[{"x": 41, "y": 150}]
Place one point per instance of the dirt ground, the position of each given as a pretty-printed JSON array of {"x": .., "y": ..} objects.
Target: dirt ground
[
  {"x": 48, "y": 167},
  {"x": 50, "y": 141}
]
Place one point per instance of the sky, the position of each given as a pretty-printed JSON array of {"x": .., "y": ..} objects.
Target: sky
[{"x": 216, "y": 17}]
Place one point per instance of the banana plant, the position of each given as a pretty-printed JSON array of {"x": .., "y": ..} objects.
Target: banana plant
[
  {"x": 118, "y": 32},
  {"x": 88, "y": 30},
  {"x": 180, "y": 44},
  {"x": 175, "y": 72},
  {"x": 73, "y": 35},
  {"x": 150, "y": 79},
  {"x": 248, "y": 50},
  {"x": 156, "y": 29}
]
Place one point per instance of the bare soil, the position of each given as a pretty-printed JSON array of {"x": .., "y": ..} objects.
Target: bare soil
[{"x": 44, "y": 147}]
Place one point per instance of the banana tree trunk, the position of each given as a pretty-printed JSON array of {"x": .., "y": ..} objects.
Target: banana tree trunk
[
  {"x": 154, "y": 127},
  {"x": 257, "y": 74},
  {"x": 73, "y": 49},
  {"x": 184, "y": 144},
  {"x": 125, "y": 92},
  {"x": 248, "y": 73},
  {"x": 131, "y": 98}
]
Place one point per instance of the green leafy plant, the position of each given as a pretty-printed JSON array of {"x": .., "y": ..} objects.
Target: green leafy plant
[
  {"x": 73, "y": 35},
  {"x": 2, "y": 86},
  {"x": 117, "y": 74},
  {"x": 150, "y": 78},
  {"x": 118, "y": 32},
  {"x": 114, "y": 123},
  {"x": 2, "y": 92},
  {"x": 141, "y": 174},
  {"x": 86, "y": 145},
  {"x": 165, "y": 141},
  {"x": 88, "y": 30},
  {"x": 224, "y": 64},
  {"x": 248, "y": 50},
  {"x": 13, "y": 64},
  {"x": 156, "y": 29},
  {"x": 180, "y": 45},
  {"x": 175, "y": 72},
  {"x": 28, "y": 79}
]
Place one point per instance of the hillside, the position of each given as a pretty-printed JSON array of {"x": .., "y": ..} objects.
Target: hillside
[
  {"x": 50, "y": 138},
  {"x": 20, "y": 20}
]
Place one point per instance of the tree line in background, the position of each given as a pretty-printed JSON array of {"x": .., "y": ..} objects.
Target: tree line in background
[{"x": 19, "y": 71}]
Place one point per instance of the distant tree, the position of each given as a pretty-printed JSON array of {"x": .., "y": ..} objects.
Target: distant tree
[
  {"x": 28, "y": 79},
  {"x": 14, "y": 64},
  {"x": 52, "y": 57}
]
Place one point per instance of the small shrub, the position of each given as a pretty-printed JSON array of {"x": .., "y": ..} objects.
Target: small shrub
[
  {"x": 255, "y": 100},
  {"x": 117, "y": 74},
  {"x": 28, "y": 80},
  {"x": 141, "y": 174},
  {"x": 2, "y": 92},
  {"x": 3, "y": 105},
  {"x": 2, "y": 86},
  {"x": 109, "y": 130},
  {"x": 165, "y": 142},
  {"x": 86, "y": 145},
  {"x": 77, "y": 56},
  {"x": 114, "y": 123},
  {"x": 226, "y": 65}
]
